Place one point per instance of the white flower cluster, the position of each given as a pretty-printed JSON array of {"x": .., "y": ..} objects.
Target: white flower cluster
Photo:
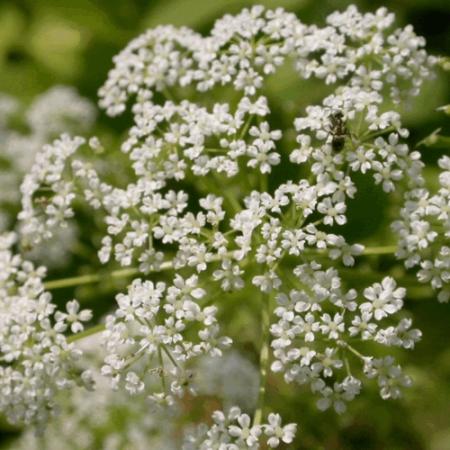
[
  {"x": 46, "y": 194},
  {"x": 60, "y": 109},
  {"x": 171, "y": 139},
  {"x": 424, "y": 233},
  {"x": 175, "y": 213},
  {"x": 234, "y": 431},
  {"x": 145, "y": 337},
  {"x": 317, "y": 325},
  {"x": 36, "y": 361},
  {"x": 245, "y": 48},
  {"x": 141, "y": 424},
  {"x": 91, "y": 421},
  {"x": 76, "y": 427}
]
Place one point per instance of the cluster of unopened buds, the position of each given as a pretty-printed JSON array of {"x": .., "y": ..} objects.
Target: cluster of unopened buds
[{"x": 196, "y": 215}]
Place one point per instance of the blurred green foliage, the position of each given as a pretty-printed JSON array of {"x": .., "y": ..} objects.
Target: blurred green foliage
[{"x": 47, "y": 42}]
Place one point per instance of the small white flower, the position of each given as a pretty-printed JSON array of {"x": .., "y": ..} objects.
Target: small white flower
[
  {"x": 245, "y": 432},
  {"x": 384, "y": 299},
  {"x": 74, "y": 316},
  {"x": 277, "y": 432}
]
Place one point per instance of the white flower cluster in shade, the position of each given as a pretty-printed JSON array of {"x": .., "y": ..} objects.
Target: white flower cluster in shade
[
  {"x": 60, "y": 109},
  {"x": 36, "y": 361},
  {"x": 234, "y": 431},
  {"x": 174, "y": 214},
  {"x": 75, "y": 425},
  {"x": 141, "y": 426},
  {"x": 424, "y": 233},
  {"x": 91, "y": 421},
  {"x": 138, "y": 429}
]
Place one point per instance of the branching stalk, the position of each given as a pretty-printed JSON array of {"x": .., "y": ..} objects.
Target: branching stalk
[
  {"x": 124, "y": 273},
  {"x": 88, "y": 279},
  {"x": 382, "y": 250},
  {"x": 263, "y": 360},
  {"x": 88, "y": 332},
  {"x": 116, "y": 274}
]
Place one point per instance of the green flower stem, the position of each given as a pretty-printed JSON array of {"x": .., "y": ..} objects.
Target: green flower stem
[
  {"x": 263, "y": 360},
  {"x": 125, "y": 273},
  {"x": 163, "y": 375},
  {"x": 167, "y": 352},
  {"x": 88, "y": 332},
  {"x": 371, "y": 135},
  {"x": 116, "y": 274},
  {"x": 94, "y": 278},
  {"x": 368, "y": 251},
  {"x": 246, "y": 126},
  {"x": 383, "y": 250},
  {"x": 353, "y": 350},
  {"x": 88, "y": 279}
]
